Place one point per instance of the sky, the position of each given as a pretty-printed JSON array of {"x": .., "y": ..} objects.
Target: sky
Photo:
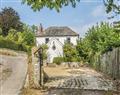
[{"x": 86, "y": 14}]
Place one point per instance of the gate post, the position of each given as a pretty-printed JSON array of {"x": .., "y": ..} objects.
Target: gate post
[
  {"x": 40, "y": 56},
  {"x": 40, "y": 51},
  {"x": 118, "y": 69}
]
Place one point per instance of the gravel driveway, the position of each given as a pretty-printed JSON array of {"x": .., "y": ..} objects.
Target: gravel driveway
[{"x": 81, "y": 81}]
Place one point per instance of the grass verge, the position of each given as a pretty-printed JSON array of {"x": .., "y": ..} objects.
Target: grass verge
[{"x": 7, "y": 52}]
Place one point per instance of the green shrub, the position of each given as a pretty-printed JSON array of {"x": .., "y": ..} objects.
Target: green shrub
[
  {"x": 58, "y": 60},
  {"x": 70, "y": 53},
  {"x": 10, "y": 44},
  {"x": 0, "y": 31},
  {"x": 5, "y": 43},
  {"x": 44, "y": 47},
  {"x": 75, "y": 59}
]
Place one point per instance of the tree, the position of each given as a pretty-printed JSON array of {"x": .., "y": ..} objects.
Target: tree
[
  {"x": 36, "y": 5},
  {"x": 117, "y": 26},
  {"x": 27, "y": 36},
  {"x": 70, "y": 53},
  {"x": 98, "y": 40},
  {"x": 0, "y": 31},
  {"x": 34, "y": 28},
  {"x": 112, "y": 6},
  {"x": 44, "y": 47},
  {"x": 12, "y": 35},
  {"x": 9, "y": 19},
  {"x": 82, "y": 49}
]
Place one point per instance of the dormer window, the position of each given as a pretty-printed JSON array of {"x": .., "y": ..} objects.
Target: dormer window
[
  {"x": 68, "y": 40},
  {"x": 46, "y": 40}
]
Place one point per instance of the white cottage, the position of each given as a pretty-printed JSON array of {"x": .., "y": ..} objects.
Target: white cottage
[{"x": 55, "y": 38}]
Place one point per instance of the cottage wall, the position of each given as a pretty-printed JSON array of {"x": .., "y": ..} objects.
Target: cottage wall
[
  {"x": 58, "y": 42},
  {"x": 62, "y": 39}
]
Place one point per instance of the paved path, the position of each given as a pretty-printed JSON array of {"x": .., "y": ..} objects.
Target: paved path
[
  {"x": 13, "y": 84},
  {"x": 79, "y": 79}
]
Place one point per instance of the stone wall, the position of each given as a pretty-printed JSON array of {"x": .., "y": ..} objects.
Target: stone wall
[{"x": 71, "y": 64}]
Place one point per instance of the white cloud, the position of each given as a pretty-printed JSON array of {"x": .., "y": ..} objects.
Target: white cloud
[{"x": 98, "y": 11}]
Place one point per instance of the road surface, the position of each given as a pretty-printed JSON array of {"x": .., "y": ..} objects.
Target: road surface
[{"x": 18, "y": 66}]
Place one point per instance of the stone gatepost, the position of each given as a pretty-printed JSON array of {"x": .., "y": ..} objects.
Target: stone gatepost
[
  {"x": 35, "y": 62},
  {"x": 36, "y": 66}
]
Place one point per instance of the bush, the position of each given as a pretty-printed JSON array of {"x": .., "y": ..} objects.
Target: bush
[
  {"x": 28, "y": 38},
  {"x": 58, "y": 60},
  {"x": 7, "y": 43},
  {"x": 70, "y": 53}
]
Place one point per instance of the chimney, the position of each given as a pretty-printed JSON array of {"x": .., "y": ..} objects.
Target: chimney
[{"x": 40, "y": 29}]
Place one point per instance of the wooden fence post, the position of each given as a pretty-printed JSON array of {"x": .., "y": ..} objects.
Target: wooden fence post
[{"x": 118, "y": 70}]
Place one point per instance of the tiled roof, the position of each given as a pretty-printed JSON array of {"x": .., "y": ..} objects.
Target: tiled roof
[{"x": 57, "y": 31}]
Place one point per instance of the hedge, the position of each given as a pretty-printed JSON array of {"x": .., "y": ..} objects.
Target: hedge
[{"x": 9, "y": 44}]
